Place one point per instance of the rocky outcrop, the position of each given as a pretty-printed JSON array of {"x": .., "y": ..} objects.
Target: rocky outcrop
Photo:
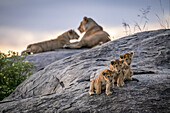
[
  {"x": 63, "y": 85},
  {"x": 41, "y": 60}
]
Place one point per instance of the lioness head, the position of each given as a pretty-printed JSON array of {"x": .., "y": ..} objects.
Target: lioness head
[
  {"x": 116, "y": 65},
  {"x": 86, "y": 24},
  {"x": 108, "y": 75},
  {"x": 83, "y": 25},
  {"x": 127, "y": 57},
  {"x": 72, "y": 34}
]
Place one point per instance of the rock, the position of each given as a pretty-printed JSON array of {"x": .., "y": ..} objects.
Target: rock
[
  {"x": 41, "y": 60},
  {"x": 63, "y": 85}
]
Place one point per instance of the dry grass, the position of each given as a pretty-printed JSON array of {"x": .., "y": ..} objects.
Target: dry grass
[
  {"x": 164, "y": 22},
  {"x": 141, "y": 24}
]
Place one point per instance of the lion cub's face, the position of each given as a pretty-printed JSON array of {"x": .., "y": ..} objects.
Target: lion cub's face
[
  {"x": 116, "y": 66},
  {"x": 127, "y": 57},
  {"x": 108, "y": 75},
  {"x": 72, "y": 34}
]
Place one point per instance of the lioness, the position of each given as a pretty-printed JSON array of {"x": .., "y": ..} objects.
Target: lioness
[
  {"x": 127, "y": 57},
  {"x": 50, "y": 45},
  {"x": 94, "y": 35},
  {"x": 101, "y": 82},
  {"x": 118, "y": 67}
]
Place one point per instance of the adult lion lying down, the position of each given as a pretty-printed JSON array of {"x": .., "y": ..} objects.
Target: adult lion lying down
[
  {"x": 94, "y": 35},
  {"x": 50, "y": 45}
]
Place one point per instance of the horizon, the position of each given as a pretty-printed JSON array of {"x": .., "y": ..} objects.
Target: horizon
[{"x": 24, "y": 22}]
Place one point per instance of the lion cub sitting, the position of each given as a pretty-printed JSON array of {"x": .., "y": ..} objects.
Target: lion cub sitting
[
  {"x": 127, "y": 58},
  {"x": 118, "y": 67},
  {"x": 103, "y": 81}
]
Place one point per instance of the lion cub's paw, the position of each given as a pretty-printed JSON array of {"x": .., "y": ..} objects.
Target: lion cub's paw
[
  {"x": 108, "y": 93},
  {"x": 119, "y": 85},
  {"x": 112, "y": 85},
  {"x": 123, "y": 84},
  {"x": 91, "y": 93}
]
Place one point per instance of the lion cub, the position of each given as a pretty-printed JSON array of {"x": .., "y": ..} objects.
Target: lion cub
[
  {"x": 127, "y": 58},
  {"x": 103, "y": 81},
  {"x": 51, "y": 45},
  {"x": 118, "y": 67}
]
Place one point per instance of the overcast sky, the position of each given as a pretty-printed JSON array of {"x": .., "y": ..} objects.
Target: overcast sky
[{"x": 27, "y": 21}]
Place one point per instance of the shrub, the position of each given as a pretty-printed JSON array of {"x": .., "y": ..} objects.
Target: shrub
[{"x": 13, "y": 71}]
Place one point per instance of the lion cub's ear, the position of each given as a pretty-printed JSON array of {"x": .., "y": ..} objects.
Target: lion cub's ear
[
  {"x": 110, "y": 71},
  {"x": 131, "y": 53},
  {"x": 121, "y": 56},
  {"x": 112, "y": 62},
  {"x": 85, "y": 19},
  {"x": 104, "y": 73},
  {"x": 122, "y": 61}
]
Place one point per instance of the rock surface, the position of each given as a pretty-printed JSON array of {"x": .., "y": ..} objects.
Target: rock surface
[
  {"x": 63, "y": 85},
  {"x": 41, "y": 60}
]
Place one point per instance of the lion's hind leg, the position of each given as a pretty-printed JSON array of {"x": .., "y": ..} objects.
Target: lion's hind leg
[
  {"x": 120, "y": 81},
  {"x": 130, "y": 77},
  {"x": 91, "y": 90},
  {"x": 36, "y": 49},
  {"x": 114, "y": 81},
  {"x": 108, "y": 85},
  {"x": 98, "y": 88},
  {"x": 135, "y": 79}
]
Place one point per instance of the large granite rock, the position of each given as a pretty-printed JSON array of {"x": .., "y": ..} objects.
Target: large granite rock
[
  {"x": 63, "y": 85},
  {"x": 43, "y": 59}
]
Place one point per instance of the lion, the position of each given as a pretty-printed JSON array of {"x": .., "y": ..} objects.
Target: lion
[
  {"x": 118, "y": 67},
  {"x": 127, "y": 57},
  {"x": 101, "y": 82},
  {"x": 53, "y": 44},
  {"x": 94, "y": 35}
]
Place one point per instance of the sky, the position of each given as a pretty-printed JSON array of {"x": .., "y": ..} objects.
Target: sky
[{"x": 23, "y": 22}]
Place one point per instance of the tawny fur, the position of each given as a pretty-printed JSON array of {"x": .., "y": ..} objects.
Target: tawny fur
[
  {"x": 53, "y": 44},
  {"x": 101, "y": 82},
  {"x": 127, "y": 57},
  {"x": 94, "y": 35},
  {"x": 117, "y": 66}
]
